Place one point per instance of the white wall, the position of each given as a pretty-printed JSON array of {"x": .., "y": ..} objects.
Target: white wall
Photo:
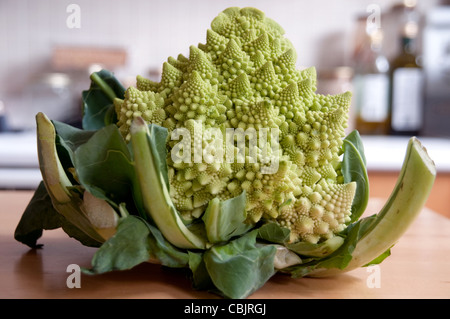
[{"x": 152, "y": 30}]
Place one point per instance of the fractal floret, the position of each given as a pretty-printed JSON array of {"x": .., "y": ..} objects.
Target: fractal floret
[{"x": 245, "y": 77}]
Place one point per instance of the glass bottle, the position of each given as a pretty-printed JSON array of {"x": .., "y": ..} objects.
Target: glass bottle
[
  {"x": 372, "y": 87},
  {"x": 406, "y": 98}
]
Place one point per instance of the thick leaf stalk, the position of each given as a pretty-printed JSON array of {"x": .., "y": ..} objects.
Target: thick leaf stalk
[{"x": 155, "y": 192}]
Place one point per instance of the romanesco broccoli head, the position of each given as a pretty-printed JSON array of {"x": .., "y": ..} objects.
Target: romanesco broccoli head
[{"x": 245, "y": 77}]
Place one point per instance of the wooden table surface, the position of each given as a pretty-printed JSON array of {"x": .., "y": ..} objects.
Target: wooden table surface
[{"x": 419, "y": 267}]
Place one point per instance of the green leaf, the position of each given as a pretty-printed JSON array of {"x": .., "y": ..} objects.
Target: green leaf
[
  {"x": 380, "y": 258},
  {"x": 164, "y": 251},
  {"x": 226, "y": 219},
  {"x": 105, "y": 168},
  {"x": 157, "y": 136},
  {"x": 272, "y": 232},
  {"x": 355, "y": 138},
  {"x": 200, "y": 277},
  {"x": 135, "y": 241},
  {"x": 129, "y": 247},
  {"x": 68, "y": 139},
  {"x": 98, "y": 107},
  {"x": 240, "y": 267},
  {"x": 320, "y": 250},
  {"x": 354, "y": 169},
  {"x": 38, "y": 215}
]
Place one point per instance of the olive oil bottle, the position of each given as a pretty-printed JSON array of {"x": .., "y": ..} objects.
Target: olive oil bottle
[
  {"x": 372, "y": 87},
  {"x": 406, "y": 94}
]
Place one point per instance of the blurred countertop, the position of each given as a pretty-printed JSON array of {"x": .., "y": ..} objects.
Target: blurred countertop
[{"x": 19, "y": 167}]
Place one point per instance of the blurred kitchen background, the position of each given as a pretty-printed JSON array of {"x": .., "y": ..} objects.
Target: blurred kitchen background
[{"x": 48, "y": 48}]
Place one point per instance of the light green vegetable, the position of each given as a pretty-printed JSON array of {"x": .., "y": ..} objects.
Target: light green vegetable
[
  {"x": 244, "y": 77},
  {"x": 231, "y": 166}
]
